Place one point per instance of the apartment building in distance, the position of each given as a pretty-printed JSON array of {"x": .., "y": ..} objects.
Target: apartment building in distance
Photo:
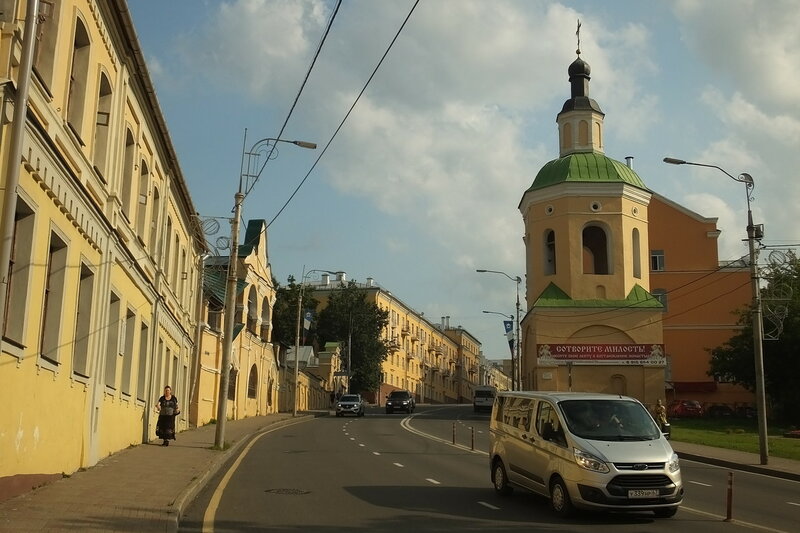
[
  {"x": 100, "y": 294},
  {"x": 437, "y": 362}
]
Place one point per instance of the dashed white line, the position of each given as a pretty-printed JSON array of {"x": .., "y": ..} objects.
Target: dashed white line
[
  {"x": 398, "y": 465},
  {"x": 794, "y": 503},
  {"x": 376, "y": 453},
  {"x": 352, "y": 438},
  {"x": 701, "y": 484},
  {"x": 361, "y": 444},
  {"x": 489, "y": 505},
  {"x": 432, "y": 481}
]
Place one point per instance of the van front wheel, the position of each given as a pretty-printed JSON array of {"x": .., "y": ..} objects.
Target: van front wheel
[
  {"x": 499, "y": 479},
  {"x": 559, "y": 498}
]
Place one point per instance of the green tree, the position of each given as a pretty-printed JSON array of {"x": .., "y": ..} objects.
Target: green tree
[
  {"x": 284, "y": 313},
  {"x": 734, "y": 360},
  {"x": 349, "y": 315}
]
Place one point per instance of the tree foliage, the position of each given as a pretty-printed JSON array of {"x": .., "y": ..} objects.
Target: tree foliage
[
  {"x": 284, "y": 313},
  {"x": 734, "y": 360},
  {"x": 350, "y": 316}
]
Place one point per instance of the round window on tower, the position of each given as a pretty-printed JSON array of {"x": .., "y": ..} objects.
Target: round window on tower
[
  {"x": 596, "y": 206},
  {"x": 635, "y": 211},
  {"x": 549, "y": 210}
]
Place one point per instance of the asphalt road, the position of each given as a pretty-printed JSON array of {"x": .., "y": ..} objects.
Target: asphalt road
[{"x": 394, "y": 472}]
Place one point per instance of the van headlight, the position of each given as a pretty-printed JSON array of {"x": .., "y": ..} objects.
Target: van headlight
[
  {"x": 590, "y": 462},
  {"x": 673, "y": 465}
]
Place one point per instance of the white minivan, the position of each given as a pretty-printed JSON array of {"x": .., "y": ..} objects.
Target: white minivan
[
  {"x": 583, "y": 450},
  {"x": 483, "y": 398}
]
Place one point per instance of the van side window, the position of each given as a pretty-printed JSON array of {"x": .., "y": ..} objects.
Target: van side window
[
  {"x": 517, "y": 413},
  {"x": 549, "y": 426},
  {"x": 500, "y": 408}
]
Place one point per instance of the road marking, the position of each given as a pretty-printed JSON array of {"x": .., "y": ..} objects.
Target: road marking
[
  {"x": 376, "y": 453},
  {"x": 432, "y": 481},
  {"x": 794, "y": 503},
  {"x": 213, "y": 504},
  {"x": 398, "y": 465},
  {"x": 361, "y": 444},
  {"x": 489, "y": 505},
  {"x": 701, "y": 484},
  {"x": 749, "y": 525},
  {"x": 352, "y": 438}
]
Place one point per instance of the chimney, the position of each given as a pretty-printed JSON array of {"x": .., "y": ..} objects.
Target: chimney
[
  {"x": 629, "y": 161},
  {"x": 448, "y": 322},
  {"x": 326, "y": 279},
  {"x": 341, "y": 276},
  {"x": 370, "y": 282}
]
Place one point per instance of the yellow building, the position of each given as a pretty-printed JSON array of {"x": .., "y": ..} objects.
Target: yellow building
[
  {"x": 101, "y": 287},
  {"x": 436, "y": 362},
  {"x": 253, "y": 374},
  {"x": 591, "y": 323}
]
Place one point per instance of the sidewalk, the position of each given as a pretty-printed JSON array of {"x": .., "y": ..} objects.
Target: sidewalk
[
  {"x": 143, "y": 488},
  {"x": 148, "y": 487}
]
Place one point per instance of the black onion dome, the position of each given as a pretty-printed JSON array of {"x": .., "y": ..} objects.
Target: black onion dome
[{"x": 579, "y": 67}]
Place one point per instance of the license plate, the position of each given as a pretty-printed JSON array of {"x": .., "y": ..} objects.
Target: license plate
[{"x": 643, "y": 493}]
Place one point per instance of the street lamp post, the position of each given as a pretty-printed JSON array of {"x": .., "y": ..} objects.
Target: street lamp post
[
  {"x": 513, "y": 346},
  {"x": 230, "y": 286},
  {"x": 758, "y": 327},
  {"x": 297, "y": 335},
  {"x": 516, "y": 358}
]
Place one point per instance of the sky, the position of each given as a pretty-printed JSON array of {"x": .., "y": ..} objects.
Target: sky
[{"x": 421, "y": 185}]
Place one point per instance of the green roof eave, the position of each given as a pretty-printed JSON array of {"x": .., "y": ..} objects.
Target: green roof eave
[
  {"x": 215, "y": 284},
  {"x": 638, "y": 298},
  {"x": 586, "y": 167}
]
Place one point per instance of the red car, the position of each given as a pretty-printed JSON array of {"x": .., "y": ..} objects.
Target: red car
[{"x": 685, "y": 409}]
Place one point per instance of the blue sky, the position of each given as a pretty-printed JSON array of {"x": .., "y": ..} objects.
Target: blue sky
[{"x": 421, "y": 186}]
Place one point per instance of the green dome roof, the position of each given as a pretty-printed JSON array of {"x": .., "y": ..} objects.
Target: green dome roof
[{"x": 585, "y": 167}]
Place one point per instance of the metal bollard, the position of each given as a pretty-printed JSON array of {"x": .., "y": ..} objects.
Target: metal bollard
[
  {"x": 472, "y": 443},
  {"x": 454, "y": 432},
  {"x": 729, "y": 515}
]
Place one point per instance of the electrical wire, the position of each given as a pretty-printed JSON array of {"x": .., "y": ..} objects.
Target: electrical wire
[
  {"x": 299, "y": 92},
  {"x": 327, "y": 145}
]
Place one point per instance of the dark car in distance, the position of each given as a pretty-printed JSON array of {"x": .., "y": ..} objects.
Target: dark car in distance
[
  {"x": 400, "y": 400},
  {"x": 685, "y": 409},
  {"x": 350, "y": 404}
]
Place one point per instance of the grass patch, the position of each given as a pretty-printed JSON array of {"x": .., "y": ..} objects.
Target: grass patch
[{"x": 734, "y": 434}]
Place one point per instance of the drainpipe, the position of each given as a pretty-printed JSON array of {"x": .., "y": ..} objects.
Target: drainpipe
[{"x": 15, "y": 154}]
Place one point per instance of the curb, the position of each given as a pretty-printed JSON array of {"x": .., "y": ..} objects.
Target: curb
[
  {"x": 197, "y": 484},
  {"x": 755, "y": 469}
]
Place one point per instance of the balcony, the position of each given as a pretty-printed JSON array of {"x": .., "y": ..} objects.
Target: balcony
[{"x": 405, "y": 331}]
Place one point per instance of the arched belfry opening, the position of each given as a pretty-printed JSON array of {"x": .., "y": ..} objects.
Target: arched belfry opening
[{"x": 595, "y": 250}]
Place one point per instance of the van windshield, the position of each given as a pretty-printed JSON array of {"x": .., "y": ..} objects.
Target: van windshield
[{"x": 612, "y": 420}]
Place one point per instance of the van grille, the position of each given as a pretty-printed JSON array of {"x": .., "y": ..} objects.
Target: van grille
[
  {"x": 637, "y": 467},
  {"x": 642, "y": 481}
]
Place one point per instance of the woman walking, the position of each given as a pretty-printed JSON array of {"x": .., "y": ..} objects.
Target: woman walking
[{"x": 167, "y": 408}]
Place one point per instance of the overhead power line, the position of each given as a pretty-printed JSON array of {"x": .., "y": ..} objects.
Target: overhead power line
[{"x": 327, "y": 145}]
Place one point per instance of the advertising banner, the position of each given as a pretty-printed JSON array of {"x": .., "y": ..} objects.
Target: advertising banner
[{"x": 636, "y": 354}]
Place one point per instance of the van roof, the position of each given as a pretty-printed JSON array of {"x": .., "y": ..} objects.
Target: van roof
[{"x": 557, "y": 396}]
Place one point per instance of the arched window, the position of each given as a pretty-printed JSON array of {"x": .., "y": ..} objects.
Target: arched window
[
  {"x": 252, "y": 310},
  {"x": 549, "y": 252},
  {"x": 127, "y": 174},
  {"x": 637, "y": 254},
  {"x": 76, "y": 96},
  {"x": 46, "y": 39},
  {"x": 102, "y": 125},
  {"x": 141, "y": 200},
  {"x": 583, "y": 133},
  {"x": 566, "y": 135},
  {"x": 595, "y": 250},
  {"x": 154, "y": 215},
  {"x": 252, "y": 383}
]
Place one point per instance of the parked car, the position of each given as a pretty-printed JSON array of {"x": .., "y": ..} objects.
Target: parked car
[
  {"x": 685, "y": 409},
  {"x": 400, "y": 400},
  {"x": 350, "y": 404},
  {"x": 719, "y": 410}
]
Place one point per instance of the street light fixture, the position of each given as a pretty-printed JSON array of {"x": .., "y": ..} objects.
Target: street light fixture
[
  {"x": 297, "y": 335},
  {"x": 230, "y": 286},
  {"x": 516, "y": 358},
  {"x": 758, "y": 328}
]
